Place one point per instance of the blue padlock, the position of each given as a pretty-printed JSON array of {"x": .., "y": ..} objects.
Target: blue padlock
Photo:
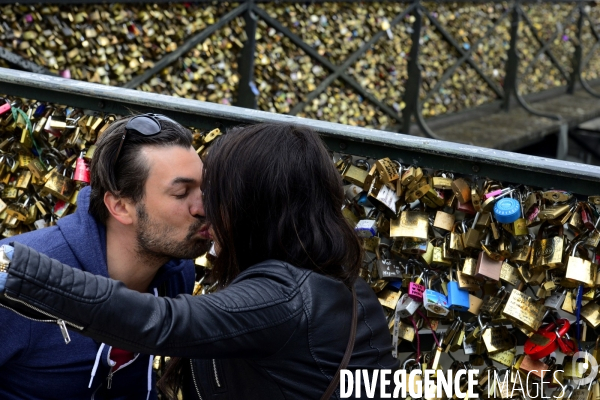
[
  {"x": 458, "y": 299},
  {"x": 435, "y": 301}
]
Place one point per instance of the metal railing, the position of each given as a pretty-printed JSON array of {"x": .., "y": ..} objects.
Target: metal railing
[
  {"x": 429, "y": 153},
  {"x": 414, "y": 95}
]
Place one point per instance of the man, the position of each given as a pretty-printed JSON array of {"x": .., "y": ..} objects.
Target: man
[{"x": 141, "y": 223}]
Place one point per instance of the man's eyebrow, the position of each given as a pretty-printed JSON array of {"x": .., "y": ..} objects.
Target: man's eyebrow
[{"x": 183, "y": 180}]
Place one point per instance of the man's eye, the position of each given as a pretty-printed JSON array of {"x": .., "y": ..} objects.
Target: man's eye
[{"x": 181, "y": 196}]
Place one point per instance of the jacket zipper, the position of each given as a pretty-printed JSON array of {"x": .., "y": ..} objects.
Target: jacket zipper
[
  {"x": 216, "y": 374},
  {"x": 62, "y": 324},
  {"x": 111, "y": 363},
  {"x": 194, "y": 378}
]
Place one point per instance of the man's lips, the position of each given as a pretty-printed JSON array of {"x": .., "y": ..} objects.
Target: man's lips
[{"x": 204, "y": 232}]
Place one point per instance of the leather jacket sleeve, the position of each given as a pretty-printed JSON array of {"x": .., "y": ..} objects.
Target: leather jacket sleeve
[{"x": 254, "y": 316}]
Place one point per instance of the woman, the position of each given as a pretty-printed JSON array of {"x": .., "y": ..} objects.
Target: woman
[{"x": 287, "y": 266}]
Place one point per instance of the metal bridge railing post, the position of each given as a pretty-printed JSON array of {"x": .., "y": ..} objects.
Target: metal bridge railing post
[
  {"x": 512, "y": 63},
  {"x": 578, "y": 54},
  {"x": 413, "y": 83},
  {"x": 247, "y": 91}
]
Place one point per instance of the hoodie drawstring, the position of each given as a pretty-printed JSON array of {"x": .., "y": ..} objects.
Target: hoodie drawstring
[
  {"x": 151, "y": 362},
  {"x": 96, "y": 364}
]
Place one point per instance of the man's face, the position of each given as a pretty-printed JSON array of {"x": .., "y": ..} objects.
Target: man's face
[{"x": 170, "y": 219}]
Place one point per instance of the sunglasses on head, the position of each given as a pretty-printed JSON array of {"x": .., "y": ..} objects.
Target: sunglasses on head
[{"x": 144, "y": 125}]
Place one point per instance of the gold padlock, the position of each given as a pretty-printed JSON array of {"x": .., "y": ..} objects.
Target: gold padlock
[
  {"x": 444, "y": 221},
  {"x": 580, "y": 270},
  {"x": 411, "y": 224},
  {"x": 523, "y": 311}
]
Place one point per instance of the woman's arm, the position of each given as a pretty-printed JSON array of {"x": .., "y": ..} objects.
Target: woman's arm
[{"x": 252, "y": 317}]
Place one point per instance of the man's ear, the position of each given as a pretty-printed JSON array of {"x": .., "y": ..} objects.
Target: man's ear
[{"x": 121, "y": 209}]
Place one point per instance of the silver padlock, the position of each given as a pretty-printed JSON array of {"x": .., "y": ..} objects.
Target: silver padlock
[
  {"x": 352, "y": 191},
  {"x": 40, "y": 224},
  {"x": 407, "y": 306},
  {"x": 366, "y": 228},
  {"x": 556, "y": 300},
  {"x": 469, "y": 348}
]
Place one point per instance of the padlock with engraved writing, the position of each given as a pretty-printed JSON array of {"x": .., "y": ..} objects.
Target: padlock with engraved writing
[{"x": 387, "y": 268}]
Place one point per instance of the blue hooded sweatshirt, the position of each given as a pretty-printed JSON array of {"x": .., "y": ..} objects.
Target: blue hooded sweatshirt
[{"x": 35, "y": 362}]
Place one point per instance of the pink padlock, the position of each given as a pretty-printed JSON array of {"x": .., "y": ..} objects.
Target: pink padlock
[
  {"x": 82, "y": 170},
  {"x": 4, "y": 108},
  {"x": 493, "y": 194},
  {"x": 415, "y": 291}
]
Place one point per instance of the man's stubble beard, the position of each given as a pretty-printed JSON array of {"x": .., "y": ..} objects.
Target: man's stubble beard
[{"x": 155, "y": 240}]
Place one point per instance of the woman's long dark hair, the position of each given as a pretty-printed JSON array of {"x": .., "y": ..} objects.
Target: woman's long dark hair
[{"x": 271, "y": 191}]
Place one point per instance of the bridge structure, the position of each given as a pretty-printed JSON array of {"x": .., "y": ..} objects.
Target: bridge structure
[{"x": 506, "y": 119}]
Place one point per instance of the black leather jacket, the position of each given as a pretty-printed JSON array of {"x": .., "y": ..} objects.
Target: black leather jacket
[{"x": 276, "y": 332}]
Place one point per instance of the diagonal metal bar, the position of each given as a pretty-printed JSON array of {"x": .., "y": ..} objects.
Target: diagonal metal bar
[
  {"x": 448, "y": 37},
  {"x": 349, "y": 62},
  {"x": 466, "y": 56},
  {"x": 185, "y": 47},
  {"x": 553, "y": 59},
  {"x": 589, "y": 55},
  {"x": 592, "y": 25},
  {"x": 578, "y": 61},
  {"x": 22, "y": 63},
  {"x": 328, "y": 64},
  {"x": 541, "y": 51}
]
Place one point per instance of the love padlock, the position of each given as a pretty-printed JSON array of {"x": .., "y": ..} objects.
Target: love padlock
[{"x": 545, "y": 341}]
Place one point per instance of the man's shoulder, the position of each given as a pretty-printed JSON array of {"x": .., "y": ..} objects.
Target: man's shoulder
[
  {"x": 42, "y": 240},
  {"x": 49, "y": 241}
]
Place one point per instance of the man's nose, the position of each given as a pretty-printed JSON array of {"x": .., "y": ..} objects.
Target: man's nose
[{"x": 197, "y": 206}]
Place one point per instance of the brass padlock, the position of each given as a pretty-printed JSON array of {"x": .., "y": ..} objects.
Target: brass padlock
[
  {"x": 522, "y": 254},
  {"x": 523, "y": 311},
  {"x": 438, "y": 254},
  {"x": 23, "y": 180},
  {"x": 411, "y": 175},
  {"x": 444, "y": 221},
  {"x": 461, "y": 189},
  {"x": 384, "y": 198},
  {"x": 580, "y": 270},
  {"x": 469, "y": 267},
  {"x": 497, "y": 339},
  {"x": 354, "y": 175},
  {"x": 60, "y": 186},
  {"x": 387, "y": 170},
  {"x": 442, "y": 183},
  {"x": 548, "y": 253},
  {"x": 456, "y": 240},
  {"x": 411, "y": 224},
  {"x": 554, "y": 212},
  {"x": 509, "y": 274}
]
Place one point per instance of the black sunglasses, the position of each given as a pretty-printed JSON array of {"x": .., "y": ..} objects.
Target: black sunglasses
[{"x": 145, "y": 125}]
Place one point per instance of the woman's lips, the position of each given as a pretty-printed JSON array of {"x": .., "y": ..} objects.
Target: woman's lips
[{"x": 204, "y": 232}]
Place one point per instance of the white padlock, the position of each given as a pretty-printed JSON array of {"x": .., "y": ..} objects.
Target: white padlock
[
  {"x": 352, "y": 191},
  {"x": 406, "y": 306},
  {"x": 435, "y": 302},
  {"x": 366, "y": 228},
  {"x": 40, "y": 224}
]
